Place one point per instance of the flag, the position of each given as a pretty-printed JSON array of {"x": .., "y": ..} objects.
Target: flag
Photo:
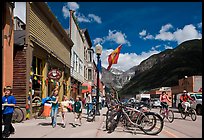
[
  {"x": 113, "y": 57},
  {"x": 99, "y": 66}
]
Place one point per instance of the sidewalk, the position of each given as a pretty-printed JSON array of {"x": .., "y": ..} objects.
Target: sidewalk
[{"x": 41, "y": 128}]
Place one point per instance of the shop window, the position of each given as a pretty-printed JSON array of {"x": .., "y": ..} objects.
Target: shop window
[{"x": 37, "y": 77}]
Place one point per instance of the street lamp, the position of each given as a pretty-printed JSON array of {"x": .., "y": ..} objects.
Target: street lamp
[{"x": 98, "y": 53}]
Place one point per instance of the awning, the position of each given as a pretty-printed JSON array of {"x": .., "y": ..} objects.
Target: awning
[
  {"x": 19, "y": 37},
  {"x": 86, "y": 88}
]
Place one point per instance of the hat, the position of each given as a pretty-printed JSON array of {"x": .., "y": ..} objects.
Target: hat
[
  {"x": 184, "y": 91},
  {"x": 8, "y": 88}
]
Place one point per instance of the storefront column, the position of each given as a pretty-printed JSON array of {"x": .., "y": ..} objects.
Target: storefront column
[
  {"x": 61, "y": 87},
  {"x": 44, "y": 73},
  {"x": 68, "y": 83}
]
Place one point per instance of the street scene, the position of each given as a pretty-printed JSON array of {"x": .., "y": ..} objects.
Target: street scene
[
  {"x": 102, "y": 70},
  {"x": 96, "y": 129}
]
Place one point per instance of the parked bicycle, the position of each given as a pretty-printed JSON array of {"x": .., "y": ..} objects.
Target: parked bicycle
[
  {"x": 167, "y": 113},
  {"x": 190, "y": 112},
  {"x": 18, "y": 115},
  {"x": 91, "y": 114},
  {"x": 135, "y": 118}
]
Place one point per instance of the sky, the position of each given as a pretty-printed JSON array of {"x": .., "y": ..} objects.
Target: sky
[{"x": 143, "y": 28}]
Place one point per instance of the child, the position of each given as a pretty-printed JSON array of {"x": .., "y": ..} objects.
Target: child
[
  {"x": 64, "y": 105},
  {"x": 77, "y": 111},
  {"x": 8, "y": 103}
]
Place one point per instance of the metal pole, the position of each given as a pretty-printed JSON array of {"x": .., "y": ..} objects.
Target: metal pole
[{"x": 97, "y": 90}]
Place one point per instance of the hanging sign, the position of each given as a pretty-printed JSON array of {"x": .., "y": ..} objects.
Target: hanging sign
[{"x": 54, "y": 74}]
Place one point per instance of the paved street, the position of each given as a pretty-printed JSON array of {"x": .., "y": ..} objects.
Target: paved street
[{"x": 41, "y": 128}]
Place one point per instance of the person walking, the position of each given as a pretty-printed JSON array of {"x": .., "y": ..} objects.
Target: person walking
[
  {"x": 78, "y": 111},
  {"x": 55, "y": 106},
  {"x": 64, "y": 104},
  {"x": 8, "y": 103},
  {"x": 88, "y": 102}
]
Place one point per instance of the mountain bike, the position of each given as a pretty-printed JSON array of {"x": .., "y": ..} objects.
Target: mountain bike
[
  {"x": 145, "y": 121},
  {"x": 190, "y": 112},
  {"x": 167, "y": 113}
]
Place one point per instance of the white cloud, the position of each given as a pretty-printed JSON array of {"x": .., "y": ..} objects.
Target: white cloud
[
  {"x": 143, "y": 33},
  {"x": 166, "y": 28},
  {"x": 148, "y": 37},
  {"x": 95, "y": 18},
  {"x": 73, "y": 6},
  {"x": 180, "y": 35},
  {"x": 164, "y": 35},
  {"x": 168, "y": 47},
  {"x": 155, "y": 47},
  {"x": 98, "y": 40},
  {"x": 199, "y": 25},
  {"x": 187, "y": 33},
  {"x": 113, "y": 36},
  {"x": 133, "y": 59},
  {"x": 80, "y": 16}
]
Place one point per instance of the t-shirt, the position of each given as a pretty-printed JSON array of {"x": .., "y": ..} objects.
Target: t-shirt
[
  {"x": 64, "y": 104},
  {"x": 10, "y": 100},
  {"x": 163, "y": 98},
  {"x": 89, "y": 99},
  {"x": 53, "y": 98},
  {"x": 78, "y": 107}
]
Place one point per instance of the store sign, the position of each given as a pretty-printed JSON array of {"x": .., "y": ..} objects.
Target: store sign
[{"x": 54, "y": 74}]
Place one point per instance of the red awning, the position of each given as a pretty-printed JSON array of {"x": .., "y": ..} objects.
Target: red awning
[{"x": 86, "y": 88}]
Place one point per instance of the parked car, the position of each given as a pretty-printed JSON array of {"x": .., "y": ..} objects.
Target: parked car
[{"x": 155, "y": 103}]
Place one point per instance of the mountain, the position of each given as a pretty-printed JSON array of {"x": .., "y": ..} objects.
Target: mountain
[{"x": 166, "y": 68}]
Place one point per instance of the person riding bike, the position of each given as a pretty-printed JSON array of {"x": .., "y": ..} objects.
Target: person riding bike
[
  {"x": 184, "y": 98},
  {"x": 163, "y": 99}
]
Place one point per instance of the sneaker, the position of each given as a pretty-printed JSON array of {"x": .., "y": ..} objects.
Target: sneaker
[
  {"x": 12, "y": 132},
  {"x": 74, "y": 125},
  {"x": 54, "y": 125},
  {"x": 63, "y": 126}
]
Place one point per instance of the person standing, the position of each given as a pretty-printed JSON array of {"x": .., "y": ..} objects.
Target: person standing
[
  {"x": 77, "y": 111},
  {"x": 55, "y": 106},
  {"x": 8, "y": 103}
]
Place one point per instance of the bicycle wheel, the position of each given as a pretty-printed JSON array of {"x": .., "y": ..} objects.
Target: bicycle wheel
[
  {"x": 183, "y": 114},
  {"x": 151, "y": 123},
  {"x": 91, "y": 115},
  {"x": 170, "y": 116},
  {"x": 111, "y": 123},
  {"x": 18, "y": 115},
  {"x": 193, "y": 114}
]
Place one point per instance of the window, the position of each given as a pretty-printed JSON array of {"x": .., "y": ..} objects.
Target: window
[
  {"x": 89, "y": 74},
  {"x": 90, "y": 56}
]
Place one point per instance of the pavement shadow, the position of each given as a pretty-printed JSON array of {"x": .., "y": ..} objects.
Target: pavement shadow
[
  {"x": 44, "y": 124},
  {"x": 179, "y": 118}
]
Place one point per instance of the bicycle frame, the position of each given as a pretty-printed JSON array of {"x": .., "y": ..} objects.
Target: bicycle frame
[{"x": 140, "y": 114}]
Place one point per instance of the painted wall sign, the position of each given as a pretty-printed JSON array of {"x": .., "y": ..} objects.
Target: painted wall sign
[{"x": 54, "y": 74}]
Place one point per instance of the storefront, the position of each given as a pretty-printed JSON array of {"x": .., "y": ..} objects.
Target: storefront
[{"x": 46, "y": 50}]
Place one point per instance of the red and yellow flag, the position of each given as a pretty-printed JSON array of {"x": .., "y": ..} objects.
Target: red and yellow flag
[{"x": 113, "y": 57}]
